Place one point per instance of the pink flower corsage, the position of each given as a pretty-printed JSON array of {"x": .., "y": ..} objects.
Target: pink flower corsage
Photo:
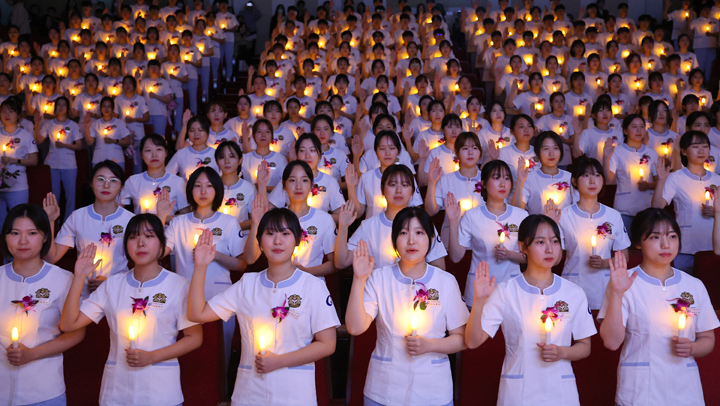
[
  {"x": 503, "y": 229},
  {"x": 421, "y": 297},
  {"x": 645, "y": 159},
  {"x": 106, "y": 238},
  {"x": 280, "y": 312},
  {"x": 157, "y": 191},
  {"x": 140, "y": 305},
  {"x": 27, "y": 304},
  {"x": 478, "y": 187},
  {"x": 604, "y": 229},
  {"x": 326, "y": 163},
  {"x": 561, "y": 186},
  {"x": 232, "y": 202}
]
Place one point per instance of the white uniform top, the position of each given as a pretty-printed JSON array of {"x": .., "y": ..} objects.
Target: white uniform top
[
  {"x": 325, "y": 195},
  {"x": 85, "y": 226},
  {"x": 112, "y": 85},
  {"x": 185, "y": 161},
  {"x": 517, "y": 307},
  {"x": 160, "y": 87},
  {"x": 592, "y": 141},
  {"x": 369, "y": 193},
  {"x": 155, "y": 51},
  {"x": 318, "y": 238},
  {"x": 227, "y": 237},
  {"x": 115, "y": 129},
  {"x": 626, "y": 164},
  {"x": 480, "y": 231},
  {"x": 18, "y": 145},
  {"x": 702, "y": 94},
  {"x": 431, "y": 137},
  {"x": 577, "y": 229},
  {"x": 282, "y": 138},
  {"x": 334, "y": 162},
  {"x": 649, "y": 374},
  {"x": 237, "y": 199},
  {"x": 390, "y": 298},
  {"x": 133, "y": 108},
  {"x": 687, "y": 191},
  {"x": 573, "y": 100},
  {"x": 141, "y": 187},
  {"x": 177, "y": 69},
  {"x": 376, "y": 231},
  {"x": 465, "y": 190},
  {"x": 215, "y": 139},
  {"x": 68, "y": 132},
  {"x": 190, "y": 54},
  {"x": 446, "y": 156},
  {"x": 666, "y": 97},
  {"x": 235, "y": 125},
  {"x": 276, "y": 163},
  {"x": 554, "y": 84},
  {"x": 156, "y": 327},
  {"x": 309, "y": 310},
  {"x": 132, "y": 67},
  {"x": 257, "y": 103},
  {"x": 227, "y": 20},
  {"x": 527, "y": 102},
  {"x": 510, "y": 154},
  {"x": 658, "y": 142},
  {"x": 48, "y": 289},
  {"x": 74, "y": 86},
  {"x": 507, "y": 80},
  {"x": 370, "y": 161},
  {"x": 700, "y": 27},
  {"x": 539, "y": 187}
]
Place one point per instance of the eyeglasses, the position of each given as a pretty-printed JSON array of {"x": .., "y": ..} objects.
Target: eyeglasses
[{"x": 113, "y": 181}]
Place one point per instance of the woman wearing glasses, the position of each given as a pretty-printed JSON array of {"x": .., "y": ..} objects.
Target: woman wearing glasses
[{"x": 103, "y": 223}]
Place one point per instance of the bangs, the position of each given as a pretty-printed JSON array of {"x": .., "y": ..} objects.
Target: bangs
[{"x": 137, "y": 228}]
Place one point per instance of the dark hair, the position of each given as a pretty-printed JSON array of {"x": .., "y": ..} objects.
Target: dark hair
[
  {"x": 653, "y": 111},
  {"x": 541, "y": 139},
  {"x": 518, "y": 117},
  {"x": 489, "y": 170},
  {"x": 451, "y": 118},
  {"x": 402, "y": 220},
  {"x": 687, "y": 140},
  {"x": 585, "y": 165},
  {"x": 694, "y": 116},
  {"x": 393, "y": 171},
  {"x": 231, "y": 145},
  {"x": 291, "y": 165},
  {"x": 155, "y": 140},
  {"x": 644, "y": 223},
  {"x": 279, "y": 220},
  {"x": 113, "y": 167},
  {"x": 135, "y": 226},
  {"x": 63, "y": 99},
  {"x": 380, "y": 117},
  {"x": 257, "y": 124},
  {"x": 214, "y": 179},
  {"x": 13, "y": 103},
  {"x": 308, "y": 136},
  {"x": 389, "y": 134},
  {"x": 321, "y": 117},
  {"x": 37, "y": 215},
  {"x": 529, "y": 226},
  {"x": 627, "y": 121},
  {"x": 489, "y": 109},
  {"x": 202, "y": 120},
  {"x": 463, "y": 138}
]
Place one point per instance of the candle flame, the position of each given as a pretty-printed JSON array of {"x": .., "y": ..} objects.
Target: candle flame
[
  {"x": 502, "y": 238},
  {"x": 225, "y": 210},
  {"x": 593, "y": 241},
  {"x": 548, "y": 324},
  {"x": 262, "y": 341},
  {"x": 127, "y": 112},
  {"x": 197, "y": 237},
  {"x": 413, "y": 322},
  {"x": 467, "y": 205},
  {"x": 384, "y": 200},
  {"x": 681, "y": 321},
  {"x": 527, "y": 163},
  {"x": 146, "y": 203},
  {"x": 665, "y": 150},
  {"x": 15, "y": 334},
  {"x": 309, "y": 201},
  {"x": 641, "y": 172},
  {"x": 707, "y": 195},
  {"x": 57, "y": 136},
  {"x": 131, "y": 333}
]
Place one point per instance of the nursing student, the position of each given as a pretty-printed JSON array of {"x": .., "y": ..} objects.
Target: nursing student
[
  {"x": 33, "y": 293},
  {"x": 102, "y": 223},
  {"x": 147, "y": 302},
  {"x": 108, "y": 133},
  {"x": 286, "y": 316},
  {"x": 419, "y": 313},
  {"x": 693, "y": 190},
  {"x": 535, "y": 360},
  {"x": 238, "y": 193},
  {"x": 642, "y": 311}
]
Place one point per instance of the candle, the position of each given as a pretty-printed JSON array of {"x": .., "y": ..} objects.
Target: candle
[
  {"x": 500, "y": 144},
  {"x": 105, "y": 131},
  {"x": 707, "y": 28},
  {"x": 295, "y": 251},
  {"x": 257, "y": 110},
  {"x": 457, "y": 87},
  {"x": 152, "y": 88},
  {"x": 637, "y": 84},
  {"x": 527, "y": 163},
  {"x": 528, "y": 17},
  {"x": 222, "y": 26},
  {"x": 598, "y": 81},
  {"x": 681, "y": 326},
  {"x": 593, "y": 242},
  {"x": 57, "y": 136},
  {"x": 197, "y": 237},
  {"x": 262, "y": 341},
  {"x": 133, "y": 337},
  {"x": 650, "y": 64},
  {"x": 208, "y": 32},
  {"x": 548, "y": 328},
  {"x": 707, "y": 198},
  {"x": 4, "y": 149},
  {"x": 687, "y": 14},
  {"x": 127, "y": 112},
  {"x": 616, "y": 110},
  {"x": 46, "y": 108},
  {"x": 554, "y": 88},
  {"x": 703, "y": 100},
  {"x": 546, "y": 73},
  {"x": 521, "y": 43},
  {"x": 306, "y": 92},
  {"x": 146, "y": 204},
  {"x": 538, "y": 107},
  {"x": 641, "y": 173},
  {"x": 34, "y": 87},
  {"x": 15, "y": 337},
  {"x": 225, "y": 210},
  {"x": 384, "y": 202},
  {"x": 502, "y": 238},
  {"x": 72, "y": 92},
  {"x": 413, "y": 324},
  {"x": 554, "y": 198},
  {"x": 53, "y": 54},
  {"x": 309, "y": 200},
  {"x": 465, "y": 205},
  {"x": 187, "y": 57},
  {"x": 665, "y": 150},
  {"x": 625, "y": 53}
]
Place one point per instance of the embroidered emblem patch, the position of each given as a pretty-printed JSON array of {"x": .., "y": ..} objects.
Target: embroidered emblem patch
[{"x": 294, "y": 301}]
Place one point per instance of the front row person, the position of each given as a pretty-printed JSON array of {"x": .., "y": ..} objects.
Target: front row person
[
  {"x": 146, "y": 309},
  {"x": 286, "y": 316}
]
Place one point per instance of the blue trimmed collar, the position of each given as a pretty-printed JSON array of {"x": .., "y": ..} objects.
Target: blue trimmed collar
[
  {"x": 308, "y": 216},
  {"x": 546, "y": 176},
  {"x": 95, "y": 216},
  {"x": 425, "y": 279},
  {"x": 673, "y": 280},
  {"x": 550, "y": 290},
  {"x": 237, "y": 185},
  {"x": 516, "y": 149},
  {"x": 639, "y": 150},
  {"x": 384, "y": 220},
  {"x": 378, "y": 174},
  {"x": 147, "y": 284},
  {"x": 692, "y": 176},
  {"x": 486, "y": 212},
  {"x": 464, "y": 179},
  {"x": 582, "y": 214},
  {"x": 10, "y": 273},
  {"x": 158, "y": 180},
  {"x": 282, "y": 284},
  {"x": 193, "y": 219},
  {"x": 193, "y": 151}
]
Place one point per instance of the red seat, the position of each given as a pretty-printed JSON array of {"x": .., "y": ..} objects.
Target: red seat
[
  {"x": 83, "y": 365},
  {"x": 202, "y": 372},
  {"x": 596, "y": 375},
  {"x": 479, "y": 372},
  {"x": 709, "y": 367},
  {"x": 323, "y": 384},
  {"x": 707, "y": 270},
  {"x": 361, "y": 348}
]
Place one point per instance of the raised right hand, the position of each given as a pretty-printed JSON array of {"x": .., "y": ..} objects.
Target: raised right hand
[
  {"x": 620, "y": 281},
  {"x": 363, "y": 263},
  {"x": 483, "y": 285},
  {"x": 347, "y": 214},
  {"x": 85, "y": 265},
  {"x": 51, "y": 207},
  {"x": 204, "y": 252}
]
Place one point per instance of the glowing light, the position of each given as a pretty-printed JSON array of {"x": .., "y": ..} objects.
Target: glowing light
[
  {"x": 262, "y": 343},
  {"x": 538, "y": 106},
  {"x": 15, "y": 337},
  {"x": 666, "y": 150},
  {"x": 127, "y": 112},
  {"x": 707, "y": 197},
  {"x": 57, "y": 136},
  {"x": 641, "y": 173},
  {"x": 413, "y": 324},
  {"x": 384, "y": 201},
  {"x": 528, "y": 59},
  {"x": 502, "y": 238},
  {"x": 132, "y": 336},
  {"x": 598, "y": 81},
  {"x": 579, "y": 110},
  {"x": 616, "y": 109},
  {"x": 225, "y": 210},
  {"x": 309, "y": 200},
  {"x": 146, "y": 204},
  {"x": 528, "y": 17},
  {"x": 466, "y": 205},
  {"x": 196, "y": 238},
  {"x": 625, "y": 53},
  {"x": 593, "y": 243},
  {"x": 527, "y": 163}
]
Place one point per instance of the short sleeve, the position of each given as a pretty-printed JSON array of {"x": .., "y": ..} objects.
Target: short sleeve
[
  {"x": 583, "y": 325},
  {"x": 370, "y": 295},
  {"x": 94, "y": 306},
  {"x": 173, "y": 166},
  {"x": 670, "y": 189},
  {"x": 613, "y": 163},
  {"x": 236, "y": 245},
  {"x": 520, "y": 101},
  {"x": 278, "y": 197},
  {"x": 181, "y": 198},
  {"x": 525, "y": 192},
  {"x": 604, "y": 307},
  {"x": 622, "y": 239},
  {"x": 171, "y": 233},
  {"x": 336, "y": 197},
  {"x": 322, "y": 312},
  {"x": 464, "y": 231},
  {"x": 127, "y": 192},
  {"x": 707, "y": 319},
  {"x": 328, "y": 242},
  {"x": 358, "y": 235},
  {"x": 67, "y": 233},
  {"x": 181, "y": 310},
  {"x": 437, "y": 249},
  {"x": 582, "y": 142},
  {"x": 226, "y": 303},
  {"x": 456, "y": 311},
  {"x": 360, "y": 190},
  {"x": 492, "y": 314}
]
